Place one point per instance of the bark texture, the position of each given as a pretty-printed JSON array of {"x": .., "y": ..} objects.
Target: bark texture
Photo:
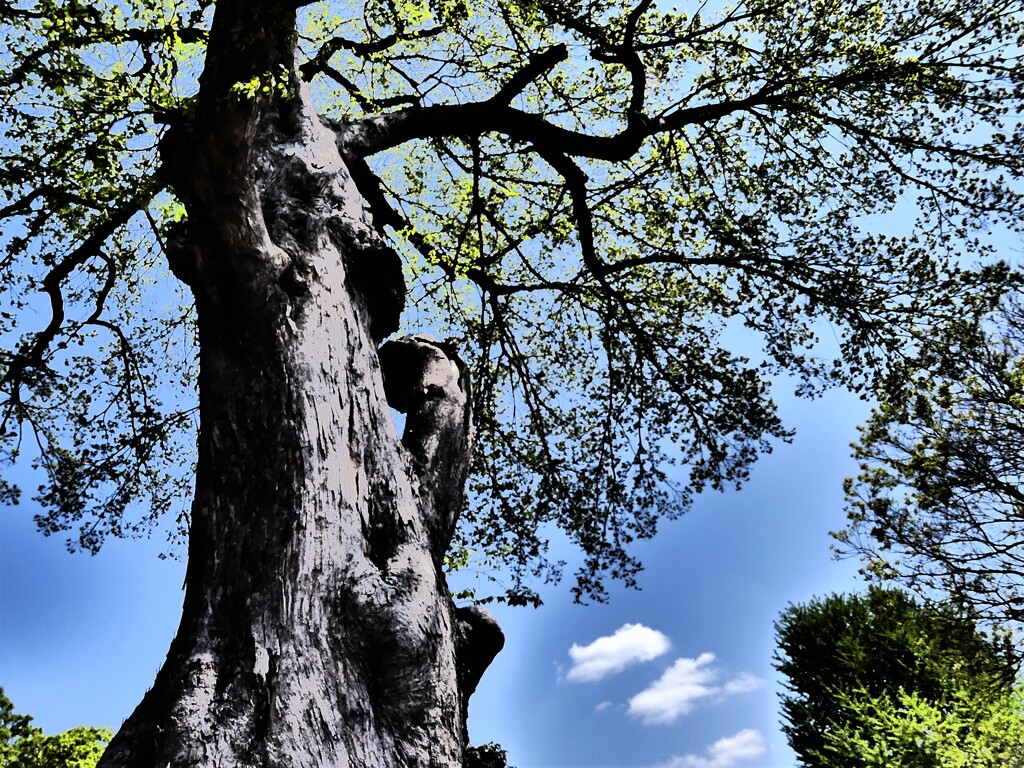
[{"x": 317, "y": 627}]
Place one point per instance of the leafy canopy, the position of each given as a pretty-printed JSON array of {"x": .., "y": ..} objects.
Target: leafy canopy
[
  {"x": 630, "y": 217},
  {"x": 907, "y": 729},
  {"x": 881, "y": 680},
  {"x": 22, "y": 745},
  {"x": 939, "y": 502}
]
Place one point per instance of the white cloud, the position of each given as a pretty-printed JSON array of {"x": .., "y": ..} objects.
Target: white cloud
[
  {"x": 745, "y": 683},
  {"x": 603, "y": 706},
  {"x": 631, "y": 644},
  {"x": 724, "y": 753},
  {"x": 683, "y": 685},
  {"x": 676, "y": 692}
]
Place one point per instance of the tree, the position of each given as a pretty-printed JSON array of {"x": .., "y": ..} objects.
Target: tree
[
  {"x": 939, "y": 502},
  {"x": 880, "y": 680},
  {"x": 22, "y": 745},
  {"x": 907, "y": 729},
  {"x": 588, "y": 198},
  {"x": 13, "y": 728}
]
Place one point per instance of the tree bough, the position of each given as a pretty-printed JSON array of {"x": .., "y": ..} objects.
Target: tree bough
[{"x": 586, "y": 200}]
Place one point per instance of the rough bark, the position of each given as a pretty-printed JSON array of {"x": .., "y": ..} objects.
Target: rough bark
[{"x": 317, "y": 627}]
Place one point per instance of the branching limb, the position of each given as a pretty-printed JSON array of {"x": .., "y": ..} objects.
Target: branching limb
[
  {"x": 375, "y": 134},
  {"x": 539, "y": 64},
  {"x": 321, "y": 61},
  {"x": 626, "y": 54},
  {"x": 34, "y": 352},
  {"x": 361, "y": 98},
  {"x": 576, "y": 184}
]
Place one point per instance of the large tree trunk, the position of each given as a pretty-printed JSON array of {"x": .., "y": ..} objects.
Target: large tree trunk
[{"x": 318, "y": 629}]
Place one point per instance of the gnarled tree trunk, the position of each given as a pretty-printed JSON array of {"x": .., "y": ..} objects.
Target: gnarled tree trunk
[{"x": 318, "y": 629}]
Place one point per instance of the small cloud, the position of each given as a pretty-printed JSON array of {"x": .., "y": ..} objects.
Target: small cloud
[
  {"x": 631, "y": 644},
  {"x": 745, "y": 683},
  {"x": 603, "y": 706},
  {"x": 676, "y": 692},
  {"x": 683, "y": 685},
  {"x": 724, "y": 753}
]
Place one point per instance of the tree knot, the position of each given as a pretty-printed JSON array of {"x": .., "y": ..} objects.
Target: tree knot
[
  {"x": 478, "y": 639},
  {"x": 428, "y": 381}
]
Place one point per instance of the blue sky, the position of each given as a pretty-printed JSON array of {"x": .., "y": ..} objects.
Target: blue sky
[{"x": 677, "y": 675}]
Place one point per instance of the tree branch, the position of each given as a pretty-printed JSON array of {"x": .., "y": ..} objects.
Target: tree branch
[
  {"x": 380, "y": 132},
  {"x": 321, "y": 62},
  {"x": 34, "y": 351},
  {"x": 576, "y": 184},
  {"x": 8, "y": 11},
  {"x": 626, "y": 54},
  {"x": 538, "y": 64}
]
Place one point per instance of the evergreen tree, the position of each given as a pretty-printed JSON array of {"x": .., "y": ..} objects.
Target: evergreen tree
[{"x": 880, "y": 680}]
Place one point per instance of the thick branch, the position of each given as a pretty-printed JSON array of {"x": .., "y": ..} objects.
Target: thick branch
[
  {"x": 8, "y": 11},
  {"x": 381, "y": 132},
  {"x": 626, "y": 54},
  {"x": 366, "y": 180},
  {"x": 576, "y": 184},
  {"x": 22, "y": 205},
  {"x": 538, "y": 64}
]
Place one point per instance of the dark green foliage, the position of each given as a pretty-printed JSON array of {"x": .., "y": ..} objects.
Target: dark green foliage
[
  {"x": 848, "y": 657},
  {"x": 486, "y": 756},
  {"x": 596, "y": 200}
]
